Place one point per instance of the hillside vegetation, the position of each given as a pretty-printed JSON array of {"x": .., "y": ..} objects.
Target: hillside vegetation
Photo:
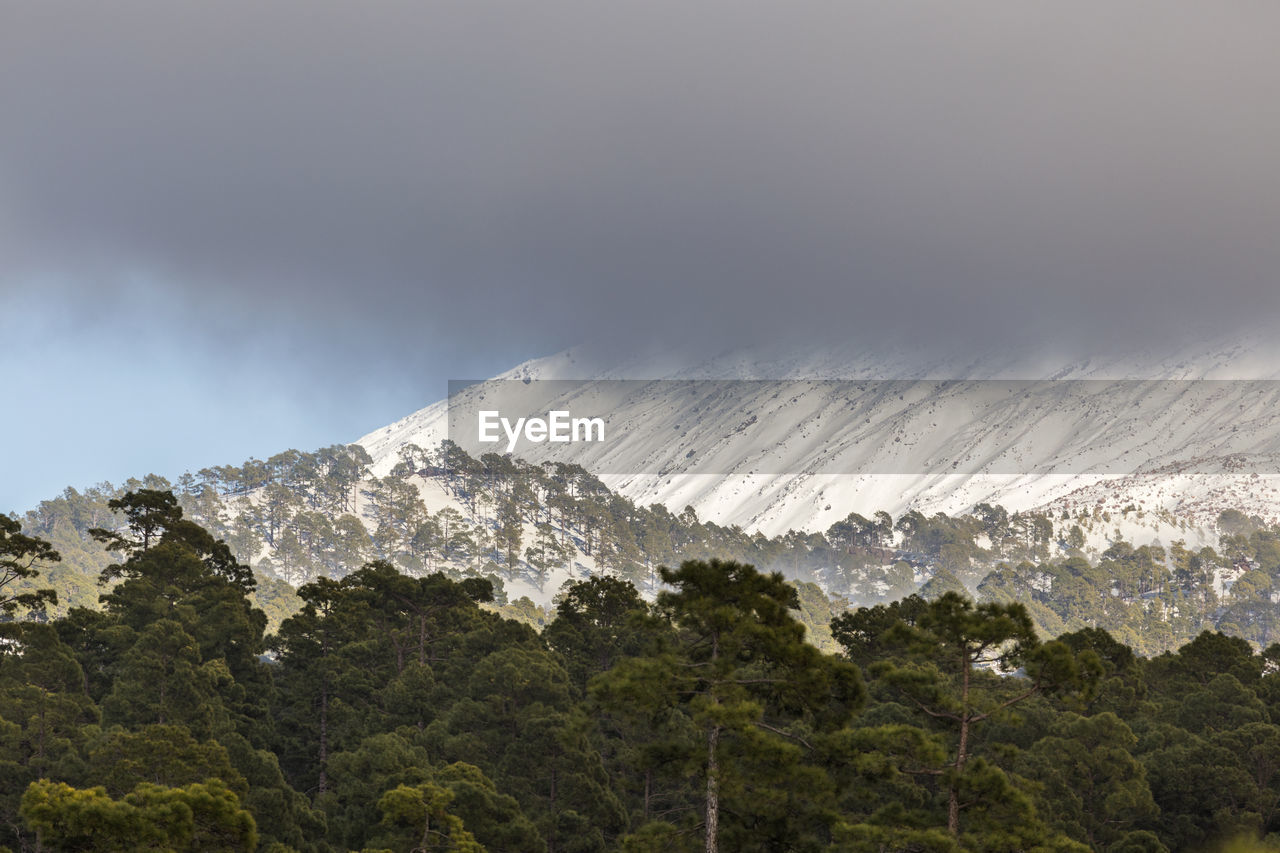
[
  {"x": 531, "y": 529},
  {"x": 396, "y": 713}
]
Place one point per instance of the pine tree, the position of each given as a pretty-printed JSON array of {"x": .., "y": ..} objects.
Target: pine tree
[
  {"x": 952, "y": 643},
  {"x": 753, "y": 689},
  {"x": 20, "y": 559}
]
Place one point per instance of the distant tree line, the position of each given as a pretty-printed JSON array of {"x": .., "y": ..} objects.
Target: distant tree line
[{"x": 298, "y": 517}]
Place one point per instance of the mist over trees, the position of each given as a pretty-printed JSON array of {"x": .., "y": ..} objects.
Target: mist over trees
[{"x": 529, "y": 529}]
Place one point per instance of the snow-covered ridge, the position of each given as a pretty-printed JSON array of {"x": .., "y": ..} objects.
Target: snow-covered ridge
[{"x": 1160, "y": 464}]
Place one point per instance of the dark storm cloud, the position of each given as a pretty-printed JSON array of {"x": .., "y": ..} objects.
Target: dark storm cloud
[{"x": 402, "y": 180}]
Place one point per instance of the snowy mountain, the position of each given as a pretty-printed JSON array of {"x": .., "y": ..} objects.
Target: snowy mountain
[{"x": 1172, "y": 438}]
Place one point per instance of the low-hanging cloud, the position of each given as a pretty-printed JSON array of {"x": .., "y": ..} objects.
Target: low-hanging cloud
[{"x": 410, "y": 180}]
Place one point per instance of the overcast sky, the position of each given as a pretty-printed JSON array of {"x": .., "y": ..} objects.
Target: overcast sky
[{"x": 230, "y": 228}]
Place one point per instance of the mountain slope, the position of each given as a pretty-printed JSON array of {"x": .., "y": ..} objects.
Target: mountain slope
[{"x": 1187, "y": 434}]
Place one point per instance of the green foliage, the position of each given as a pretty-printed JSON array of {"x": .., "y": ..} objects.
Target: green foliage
[
  {"x": 1095, "y": 789},
  {"x": 598, "y": 622},
  {"x": 419, "y": 816},
  {"x": 201, "y": 817},
  {"x": 395, "y": 708},
  {"x": 20, "y": 555},
  {"x": 737, "y": 670},
  {"x": 943, "y": 672}
]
